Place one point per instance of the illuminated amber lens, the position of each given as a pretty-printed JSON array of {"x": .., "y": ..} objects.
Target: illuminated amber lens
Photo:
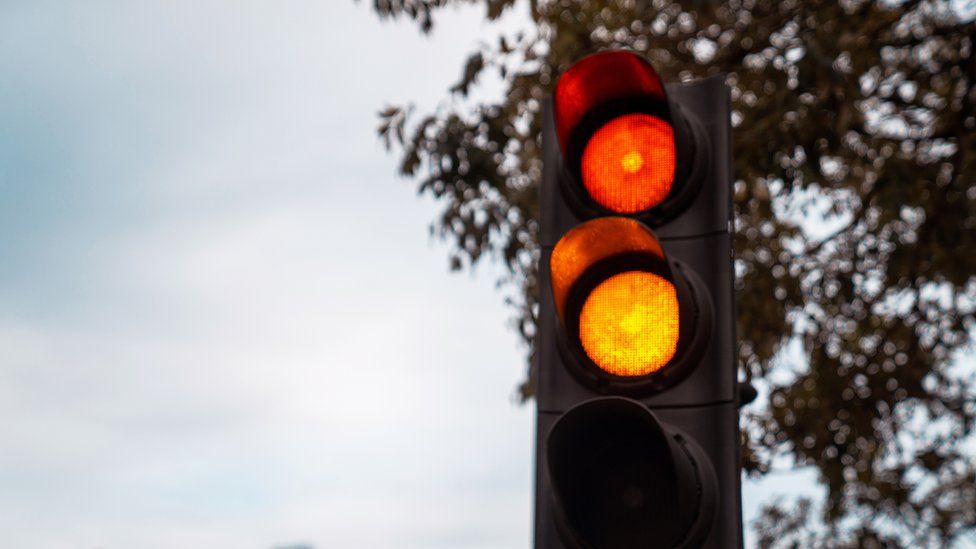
[
  {"x": 628, "y": 164},
  {"x": 629, "y": 323}
]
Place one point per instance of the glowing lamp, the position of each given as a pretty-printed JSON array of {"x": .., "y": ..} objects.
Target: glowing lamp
[
  {"x": 628, "y": 325},
  {"x": 628, "y": 164},
  {"x": 616, "y": 297},
  {"x": 627, "y": 148}
]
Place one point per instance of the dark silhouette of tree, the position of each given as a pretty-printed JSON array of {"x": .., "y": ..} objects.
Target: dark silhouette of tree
[{"x": 855, "y": 204}]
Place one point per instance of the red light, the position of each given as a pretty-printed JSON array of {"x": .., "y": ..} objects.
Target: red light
[{"x": 628, "y": 164}]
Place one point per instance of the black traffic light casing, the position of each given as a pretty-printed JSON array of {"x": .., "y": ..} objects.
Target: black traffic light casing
[{"x": 696, "y": 414}]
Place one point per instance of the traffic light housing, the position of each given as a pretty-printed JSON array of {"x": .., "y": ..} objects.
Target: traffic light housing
[{"x": 637, "y": 425}]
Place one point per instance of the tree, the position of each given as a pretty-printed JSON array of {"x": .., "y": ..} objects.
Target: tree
[{"x": 855, "y": 204}]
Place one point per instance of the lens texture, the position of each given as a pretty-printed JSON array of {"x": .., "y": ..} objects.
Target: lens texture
[
  {"x": 628, "y": 325},
  {"x": 628, "y": 164}
]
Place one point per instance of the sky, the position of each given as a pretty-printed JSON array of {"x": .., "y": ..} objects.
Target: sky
[{"x": 222, "y": 320}]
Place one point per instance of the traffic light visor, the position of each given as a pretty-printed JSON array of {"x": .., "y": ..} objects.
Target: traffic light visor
[
  {"x": 588, "y": 244},
  {"x": 597, "y": 80},
  {"x": 622, "y": 479}
]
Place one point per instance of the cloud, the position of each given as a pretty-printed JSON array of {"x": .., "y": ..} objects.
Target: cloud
[{"x": 220, "y": 320}]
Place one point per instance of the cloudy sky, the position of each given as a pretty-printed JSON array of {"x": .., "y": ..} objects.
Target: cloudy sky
[{"x": 222, "y": 322}]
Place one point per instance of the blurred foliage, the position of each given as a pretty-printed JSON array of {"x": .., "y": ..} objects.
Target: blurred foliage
[{"x": 855, "y": 204}]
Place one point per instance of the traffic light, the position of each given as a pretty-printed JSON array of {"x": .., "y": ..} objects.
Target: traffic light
[{"x": 637, "y": 425}]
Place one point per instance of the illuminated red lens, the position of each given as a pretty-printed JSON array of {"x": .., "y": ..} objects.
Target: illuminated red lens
[{"x": 628, "y": 164}]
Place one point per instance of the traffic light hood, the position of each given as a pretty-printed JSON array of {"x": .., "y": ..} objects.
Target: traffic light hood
[
  {"x": 599, "y": 80},
  {"x": 593, "y": 242},
  {"x": 621, "y": 479}
]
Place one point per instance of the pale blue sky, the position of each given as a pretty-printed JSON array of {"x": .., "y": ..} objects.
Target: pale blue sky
[{"x": 222, "y": 323}]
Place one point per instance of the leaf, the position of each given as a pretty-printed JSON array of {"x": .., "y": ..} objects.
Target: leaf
[{"x": 472, "y": 68}]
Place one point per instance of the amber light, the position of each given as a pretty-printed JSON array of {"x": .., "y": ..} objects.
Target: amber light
[
  {"x": 628, "y": 325},
  {"x": 628, "y": 164}
]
